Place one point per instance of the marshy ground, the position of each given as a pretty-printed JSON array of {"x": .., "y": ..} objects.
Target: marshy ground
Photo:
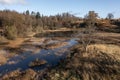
[{"x": 101, "y": 61}]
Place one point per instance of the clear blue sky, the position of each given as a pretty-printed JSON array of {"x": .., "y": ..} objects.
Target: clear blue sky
[{"x": 51, "y": 7}]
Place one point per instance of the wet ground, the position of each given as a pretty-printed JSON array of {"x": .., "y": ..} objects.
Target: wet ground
[{"x": 51, "y": 56}]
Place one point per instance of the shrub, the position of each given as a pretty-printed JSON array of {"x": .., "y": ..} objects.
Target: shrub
[{"x": 11, "y": 32}]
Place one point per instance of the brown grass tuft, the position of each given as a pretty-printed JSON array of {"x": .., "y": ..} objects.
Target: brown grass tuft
[{"x": 100, "y": 62}]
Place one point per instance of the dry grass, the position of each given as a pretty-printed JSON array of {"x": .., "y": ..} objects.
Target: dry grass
[
  {"x": 108, "y": 34},
  {"x": 100, "y": 62},
  {"x": 16, "y": 43},
  {"x": 111, "y": 50},
  {"x": 18, "y": 75},
  {"x": 3, "y": 59},
  {"x": 56, "y": 45},
  {"x": 111, "y": 38},
  {"x": 61, "y": 29}
]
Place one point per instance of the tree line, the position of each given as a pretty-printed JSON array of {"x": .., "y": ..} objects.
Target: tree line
[
  {"x": 20, "y": 24},
  {"x": 14, "y": 24}
]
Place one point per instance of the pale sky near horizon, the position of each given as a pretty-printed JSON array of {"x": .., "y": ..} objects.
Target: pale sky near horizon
[{"x": 52, "y": 7}]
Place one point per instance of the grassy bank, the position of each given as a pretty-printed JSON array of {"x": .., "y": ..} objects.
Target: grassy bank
[{"x": 100, "y": 62}]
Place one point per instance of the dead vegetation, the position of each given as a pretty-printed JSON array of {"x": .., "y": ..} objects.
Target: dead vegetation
[
  {"x": 3, "y": 59},
  {"x": 56, "y": 45},
  {"x": 101, "y": 62},
  {"x": 37, "y": 62},
  {"x": 18, "y": 75}
]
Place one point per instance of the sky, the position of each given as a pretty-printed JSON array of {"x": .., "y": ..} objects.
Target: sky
[{"x": 76, "y": 7}]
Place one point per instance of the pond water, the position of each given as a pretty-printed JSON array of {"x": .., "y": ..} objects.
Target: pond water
[{"x": 51, "y": 56}]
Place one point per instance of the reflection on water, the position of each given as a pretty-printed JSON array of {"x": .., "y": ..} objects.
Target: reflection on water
[
  {"x": 51, "y": 56},
  {"x": 56, "y": 34}
]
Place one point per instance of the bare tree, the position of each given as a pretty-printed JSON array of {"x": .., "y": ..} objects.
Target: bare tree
[
  {"x": 110, "y": 16},
  {"x": 86, "y": 35}
]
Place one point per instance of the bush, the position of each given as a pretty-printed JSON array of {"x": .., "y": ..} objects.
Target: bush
[{"x": 11, "y": 32}]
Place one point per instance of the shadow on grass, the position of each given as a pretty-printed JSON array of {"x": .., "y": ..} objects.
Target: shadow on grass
[{"x": 87, "y": 66}]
